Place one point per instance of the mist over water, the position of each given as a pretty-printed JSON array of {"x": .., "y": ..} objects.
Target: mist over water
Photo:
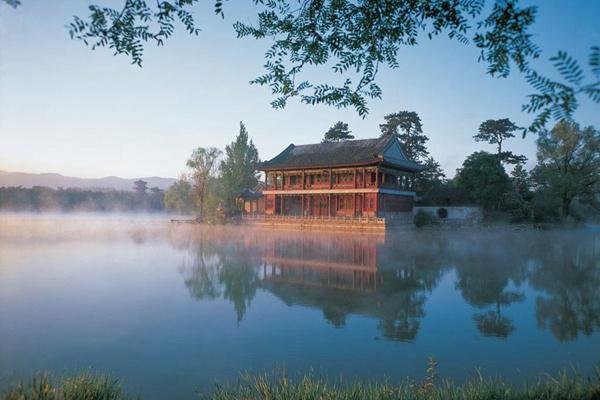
[{"x": 171, "y": 309}]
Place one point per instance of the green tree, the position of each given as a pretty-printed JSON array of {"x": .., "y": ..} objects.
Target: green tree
[
  {"x": 496, "y": 131},
  {"x": 568, "y": 165},
  {"x": 180, "y": 196},
  {"x": 518, "y": 200},
  {"x": 407, "y": 126},
  {"x": 338, "y": 132},
  {"x": 238, "y": 169},
  {"x": 202, "y": 162},
  {"x": 430, "y": 178},
  {"x": 483, "y": 178}
]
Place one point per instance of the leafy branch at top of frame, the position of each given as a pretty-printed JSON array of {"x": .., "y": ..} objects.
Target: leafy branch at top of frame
[
  {"x": 353, "y": 38},
  {"x": 127, "y": 30},
  {"x": 558, "y": 100}
]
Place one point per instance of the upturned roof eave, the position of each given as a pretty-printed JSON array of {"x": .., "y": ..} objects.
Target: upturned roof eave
[{"x": 407, "y": 167}]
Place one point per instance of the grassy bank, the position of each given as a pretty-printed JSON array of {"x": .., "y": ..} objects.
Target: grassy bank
[{"x": 91, "y": 387}]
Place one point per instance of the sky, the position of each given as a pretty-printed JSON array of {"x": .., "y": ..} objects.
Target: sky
[{"x": 67, "y": 109}]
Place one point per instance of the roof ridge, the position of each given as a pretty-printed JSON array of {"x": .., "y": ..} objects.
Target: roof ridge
[{"x": 348, "y": 152}]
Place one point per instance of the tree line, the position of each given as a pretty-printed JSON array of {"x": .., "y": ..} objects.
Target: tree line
[
  {"x": 40, "y": 199},
  {"x": 564, "y": 184}
]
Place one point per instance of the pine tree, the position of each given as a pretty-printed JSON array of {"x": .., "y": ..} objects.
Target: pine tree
[
  {"x": 338, "y": 132},
  {"x": 406, "y": 126}
]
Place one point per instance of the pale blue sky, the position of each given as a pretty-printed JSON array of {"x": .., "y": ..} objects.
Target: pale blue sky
[{"x": 67, "y": 109}]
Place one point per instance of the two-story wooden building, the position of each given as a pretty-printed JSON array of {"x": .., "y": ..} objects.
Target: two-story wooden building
[{"x": 358, "y": 178}]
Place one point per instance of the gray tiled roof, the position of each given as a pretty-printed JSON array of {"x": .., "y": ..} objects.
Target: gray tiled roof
[{"x": 333, "y": 154}]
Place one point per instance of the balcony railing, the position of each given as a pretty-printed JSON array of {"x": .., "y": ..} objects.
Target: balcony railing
[
  {"x": 337, "y": 218},
  {"x": 317, "y": 185}
]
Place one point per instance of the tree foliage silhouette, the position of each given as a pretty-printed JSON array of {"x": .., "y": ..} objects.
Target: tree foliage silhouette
[
  {"x": 407, "y": 126},
  {"x": 202, "y": 162},
  {"x": 238, "y": 169},
  {"x": 569, "y": 165},
  {"x": 337, "y": 132},
  {"x": 496, "y": 131},
  {"x": 354, "y": 37},
  {"x": 484, "y": 179},
  {"x": 559, "y": 100}
]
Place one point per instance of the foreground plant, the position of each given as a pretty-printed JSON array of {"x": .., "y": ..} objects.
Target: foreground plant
[
  {"x": 85, "y": 386},
  {"x": 281, "y": 387},
  {"x": 565, "y": 386}
]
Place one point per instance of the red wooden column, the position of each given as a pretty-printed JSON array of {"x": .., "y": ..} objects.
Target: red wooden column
[
  {"x": 329, "y": 205},
  {"x": 376, "y": 178},
  {"x": 281, "y": 209},
  {"x": 364, "y": 179},
  {"x": 354, "y": 202},
  {"x": 302, "y": 205}
]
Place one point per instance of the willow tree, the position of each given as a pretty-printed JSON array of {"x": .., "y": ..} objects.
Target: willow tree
[{"x": 202, "y": 162}]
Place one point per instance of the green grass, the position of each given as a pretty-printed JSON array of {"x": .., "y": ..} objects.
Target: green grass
[
  {"x": 85, "y": 386},
  {"x": 279, "y": 387},
  {"x": 563, "y": 387}
]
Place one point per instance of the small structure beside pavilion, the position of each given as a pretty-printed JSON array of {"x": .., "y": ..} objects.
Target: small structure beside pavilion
[{"x": 251, "y": 201}]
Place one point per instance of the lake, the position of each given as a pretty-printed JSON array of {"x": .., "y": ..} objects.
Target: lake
[{"x": 172, "y": 309}]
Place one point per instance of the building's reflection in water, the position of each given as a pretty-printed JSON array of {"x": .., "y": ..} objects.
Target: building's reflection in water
[{"x": 390, "y": 277}]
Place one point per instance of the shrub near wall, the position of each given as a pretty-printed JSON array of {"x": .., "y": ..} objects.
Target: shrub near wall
[{"x": 422, "y": 219}]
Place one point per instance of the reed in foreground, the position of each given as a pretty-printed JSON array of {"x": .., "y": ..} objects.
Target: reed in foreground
[
  {"x": 279, "y": 387},
  {"x": 85, "y": 386},
  {"x": 262, "y": 387}
]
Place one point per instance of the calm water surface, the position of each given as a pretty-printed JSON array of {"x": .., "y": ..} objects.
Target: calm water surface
[{"x": 173, "y": 309}]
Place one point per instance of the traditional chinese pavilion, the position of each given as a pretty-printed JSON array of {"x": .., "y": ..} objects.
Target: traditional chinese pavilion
[{"x": 353, "y": 178}]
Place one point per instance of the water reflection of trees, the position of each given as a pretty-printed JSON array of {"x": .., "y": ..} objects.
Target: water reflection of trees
[
  {"x": 341, "y": 275},
  {"x": 486, "y": 266},
  {"x": 217, "y": 267},
  {"x": 389, "y": 278},
  {"x": 567, "y": 273}
]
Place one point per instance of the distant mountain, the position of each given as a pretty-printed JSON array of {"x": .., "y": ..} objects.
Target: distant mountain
[{"x": 56, "y": 180}]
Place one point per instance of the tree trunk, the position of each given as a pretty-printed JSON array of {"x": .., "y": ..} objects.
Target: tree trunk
[{"x": 566, "y": 205}]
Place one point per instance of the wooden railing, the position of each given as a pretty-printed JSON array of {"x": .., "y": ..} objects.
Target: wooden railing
[{"x": 337, "y": 218}]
